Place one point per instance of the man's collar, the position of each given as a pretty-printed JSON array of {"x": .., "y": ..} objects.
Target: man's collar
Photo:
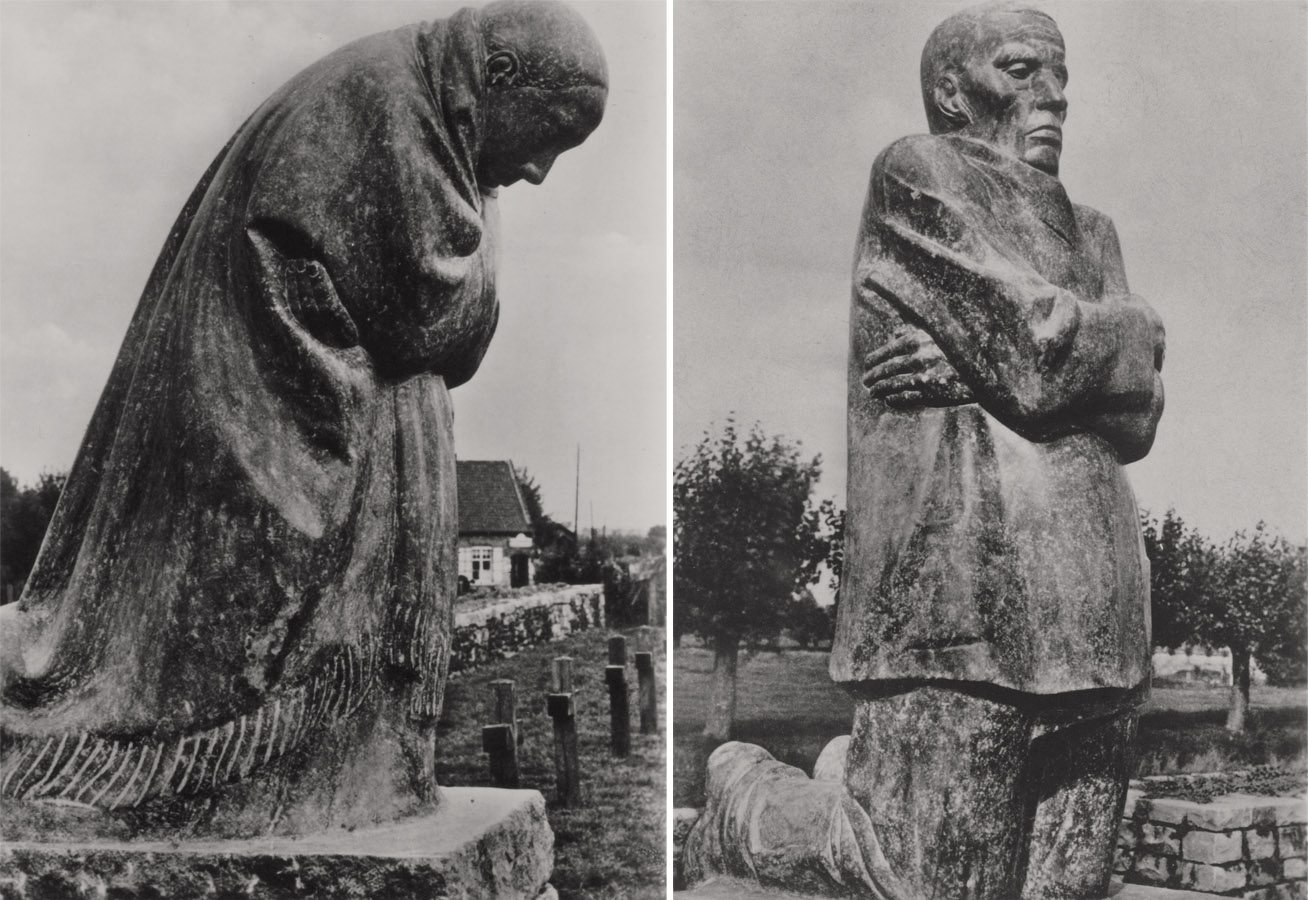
[{"x": 1048, "y": 197}]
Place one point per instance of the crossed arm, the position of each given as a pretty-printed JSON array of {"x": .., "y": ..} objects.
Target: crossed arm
[{"x": 983, "y": 328}]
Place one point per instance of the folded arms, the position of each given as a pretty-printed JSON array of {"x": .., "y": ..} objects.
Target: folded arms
[{"x": 983, "y": 326}]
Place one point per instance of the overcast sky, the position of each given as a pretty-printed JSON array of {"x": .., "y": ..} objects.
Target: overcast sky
[
  {"x": 1186, "y": 126},
  {"x": 110, "y": 113}
]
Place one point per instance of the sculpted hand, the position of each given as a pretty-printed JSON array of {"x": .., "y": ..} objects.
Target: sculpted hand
[{"x": 909, "y": 372}]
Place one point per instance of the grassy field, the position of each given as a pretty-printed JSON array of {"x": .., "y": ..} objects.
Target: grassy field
[
  {"x": 613, "y": 845},
  {"x": 788, "y": 704}
]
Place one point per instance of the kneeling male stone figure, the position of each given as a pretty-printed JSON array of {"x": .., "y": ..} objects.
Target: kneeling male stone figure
[{"x": 994, "y": 620}]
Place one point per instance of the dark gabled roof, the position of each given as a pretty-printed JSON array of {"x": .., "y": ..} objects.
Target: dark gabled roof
[{"x": 489, "y": 499}]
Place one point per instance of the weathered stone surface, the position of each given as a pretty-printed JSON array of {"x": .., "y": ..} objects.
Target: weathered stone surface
[
  {"x": 1133, "y": 796},
  {"x": 1161, "y": 839},
  {"x": 1212, "y": 847},
  {"x": 770, "y": 822},
  {"x": 1271, "y": 810},
  {"x": 1294, "y": 867},
  {"x": 1153, "y": 868},
  {"x": 1148, "y": 892},
  {"x": 1212, "y": 879},
  {"x": 1128, "y": 834},
  {"x": 992, "y": 546},
  {"x": 240, "y": 619},
  {"x": 1260, "y": 842},
  {"x": 1226, "y": 813},
  {"x": 683, "y": 820},
  {"x": 830, "y": 765},
  {"x": 1273, "y": 892},
  {"x": 1263, "y": 871},
  {"x": 1290, "y": 841},
  {"x": 1215, "y": 816},
  {"x": 1232, "y": 811},
  {"x": 935, "y": 769},
  {"x": 1263, "y": 893},
  {"x": 724, "y": 888},
  {"x": 985, "y": 460},
  {"x": 993, "y": 623},
  {"x": 480, "y": 843}
]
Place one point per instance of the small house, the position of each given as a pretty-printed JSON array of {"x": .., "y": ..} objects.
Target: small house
[{"x": 495, "y": 534}]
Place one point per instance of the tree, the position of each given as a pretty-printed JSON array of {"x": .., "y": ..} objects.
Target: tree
[
  {"x": 530, "y": 491},
  {"x": 1181, "y": 566},
  {"x": 742, "y": 545},
  {"x": 656, "y": 540},
  {"x": 24, "y": 516},
  {"x": 1256, "y": 599},
  {"x": 557, "y": 546},
  {"x": 808, "y": 623},
  {"x": 1248, "y": 595},
  {"x": 1284, "y": 656}
]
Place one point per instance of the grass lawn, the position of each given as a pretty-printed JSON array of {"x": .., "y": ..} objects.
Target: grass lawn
[
  {"x": 613, "y": 845},
  {"x": 787, "y": 704}
]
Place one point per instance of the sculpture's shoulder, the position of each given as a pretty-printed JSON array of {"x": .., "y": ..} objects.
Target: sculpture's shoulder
[
  {"x": 366, "y": 99},
  {"x": 925, "y": 161},
  {"x": 375, "y": 62},
  {"x": 1089, "y": 217},
  {"x": 1097, "y": 227}
]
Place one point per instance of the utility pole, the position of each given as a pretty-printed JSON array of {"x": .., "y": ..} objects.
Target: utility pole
[{"x": 576, "y": 501}]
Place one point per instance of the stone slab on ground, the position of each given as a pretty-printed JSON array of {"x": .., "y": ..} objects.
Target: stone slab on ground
[
  {"x": 735, "y": 889},
  {"x": 479, "y": 843}
]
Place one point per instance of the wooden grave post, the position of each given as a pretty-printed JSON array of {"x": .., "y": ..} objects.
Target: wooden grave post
[
  {"x": 562, "y": 709},
  {"x": 500, "y": 740},
  {"x": 647, "y": 690},
  {"x": 619, "y": 705}
]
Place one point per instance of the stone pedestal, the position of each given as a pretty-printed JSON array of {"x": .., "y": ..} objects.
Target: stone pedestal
[
  {"x": 727, "y": 888},
  {"x": 480, "y": 843}
]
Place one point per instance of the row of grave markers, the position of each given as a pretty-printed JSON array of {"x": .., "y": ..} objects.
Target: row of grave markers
[{"x": 500, "y": 740}]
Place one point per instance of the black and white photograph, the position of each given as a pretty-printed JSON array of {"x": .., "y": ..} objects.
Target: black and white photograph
[
  {"x": 989, "y": 335},
  {"x": 626, "y": 449},
  {"x": 334, "y": 439}
]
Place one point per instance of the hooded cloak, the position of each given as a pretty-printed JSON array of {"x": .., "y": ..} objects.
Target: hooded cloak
[{"x": 258, "y": 536}]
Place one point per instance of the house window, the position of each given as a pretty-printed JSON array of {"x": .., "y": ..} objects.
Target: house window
[{"x": 482, "y": 565}]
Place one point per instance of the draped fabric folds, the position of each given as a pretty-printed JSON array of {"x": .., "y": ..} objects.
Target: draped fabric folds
[
  {"x": 996, "y": 541},
  {"x": 260, "y": 526},
  {"x": 768, "y": 822}
]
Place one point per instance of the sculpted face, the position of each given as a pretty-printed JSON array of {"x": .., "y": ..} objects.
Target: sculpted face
[
  {"x": 526, "y": 129},
  {"x": 546, "y": 83},
  {"x": 1006, "y": 87}
]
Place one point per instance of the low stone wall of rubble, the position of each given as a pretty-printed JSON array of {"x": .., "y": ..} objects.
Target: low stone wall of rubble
[
  {"x": 1236, "y": 846},
  {"x": 498, "y": 629}
]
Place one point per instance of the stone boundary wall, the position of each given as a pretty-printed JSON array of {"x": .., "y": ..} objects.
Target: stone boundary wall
[
  {"x": 502, "y": 628},
  {"x": 1236, "y": 846}
]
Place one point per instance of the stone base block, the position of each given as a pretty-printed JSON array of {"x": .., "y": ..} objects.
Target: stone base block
[
  {"x": 725, "y": 888},
  {"x": 480, "y": 843}
]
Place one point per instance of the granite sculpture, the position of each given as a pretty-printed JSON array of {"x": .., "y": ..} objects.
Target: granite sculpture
[
  {"x": 768, "y": 820},
  {"x": 239, "y": 622},
  {"x": 993, "y": 623}
]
